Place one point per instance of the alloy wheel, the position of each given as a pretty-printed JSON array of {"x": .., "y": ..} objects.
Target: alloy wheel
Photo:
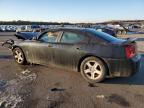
[
  {"x": 18, "y": 56},
  {"x": 92, "y": 69}
]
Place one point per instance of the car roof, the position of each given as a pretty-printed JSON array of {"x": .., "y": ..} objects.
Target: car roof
[{"x": 69, "y": 29}]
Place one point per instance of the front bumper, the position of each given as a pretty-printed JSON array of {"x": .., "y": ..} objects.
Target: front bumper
[{"x": 123, "y": 67}]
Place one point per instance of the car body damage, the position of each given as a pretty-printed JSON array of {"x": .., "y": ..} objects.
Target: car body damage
[
  {"x": 84, "y": 48},
  {"x": 26, "y": 35},
  {"x": 8, "y": 43}
]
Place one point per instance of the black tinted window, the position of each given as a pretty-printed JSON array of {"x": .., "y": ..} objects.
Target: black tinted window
[
  {"x": 50, "y": 37},
  {"x": 69, "y": 37},
  {"x": 103, "y": 35}
]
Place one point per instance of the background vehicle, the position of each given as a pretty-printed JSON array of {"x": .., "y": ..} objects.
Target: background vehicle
[
  {"x": 113, "y": 30},
  {"x": 95, "y": 54},
  {"x": 1, "y": 30},
  {"x": 118, "y": 29},
  {"x": 26, "y": 35},
  {"x": 107, "y": 30}
]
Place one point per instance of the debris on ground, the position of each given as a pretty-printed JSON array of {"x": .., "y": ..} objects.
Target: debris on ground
[
  {"x": 2, "y": 84},
  {"x": 11, "y": 91},
  {"x": 25, "y": 72},
  {"x": 29, "y": 77},
  {"x": 9, "y": 97},
  {"x": 100, "y": 96},
  {"x": 57, "y": 89},
  {"x": 92, "y": 85}
]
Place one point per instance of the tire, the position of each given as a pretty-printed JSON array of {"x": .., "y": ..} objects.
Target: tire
[
  {"x": 93, "y": 70},
  {"x": 19, "y": 56}
]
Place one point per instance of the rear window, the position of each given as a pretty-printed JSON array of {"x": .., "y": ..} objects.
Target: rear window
[{"x": 103, "y": 35}]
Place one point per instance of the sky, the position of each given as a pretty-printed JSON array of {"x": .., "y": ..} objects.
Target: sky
[{"x": 71, "y": 10}]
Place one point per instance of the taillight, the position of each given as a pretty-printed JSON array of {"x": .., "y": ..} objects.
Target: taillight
[{"x": 130, "y": 51}]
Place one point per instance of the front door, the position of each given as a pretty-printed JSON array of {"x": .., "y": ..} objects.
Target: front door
[
  {"x": 70, "y": 49},
  {"x": 41, "y": 51}
]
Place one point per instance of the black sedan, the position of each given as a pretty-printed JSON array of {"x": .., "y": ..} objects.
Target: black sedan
[{"x": 96, "y": 55}]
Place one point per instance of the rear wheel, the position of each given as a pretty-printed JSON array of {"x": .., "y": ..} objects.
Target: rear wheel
[
  {"x": 93, "y": 69},
  {"x": 19, "y": 56}
]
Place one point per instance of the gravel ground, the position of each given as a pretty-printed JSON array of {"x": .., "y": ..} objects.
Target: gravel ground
[{"x": 36, "y": 86}]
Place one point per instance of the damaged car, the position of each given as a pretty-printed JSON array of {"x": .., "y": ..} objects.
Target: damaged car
[
  {"x": 96, "y": 55},
  {"x": 26, "y": 35}
]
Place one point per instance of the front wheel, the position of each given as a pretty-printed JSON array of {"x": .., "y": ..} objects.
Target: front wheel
[
  {"x": 93, "y": 69},
  {"x": 19, "y": 56}
]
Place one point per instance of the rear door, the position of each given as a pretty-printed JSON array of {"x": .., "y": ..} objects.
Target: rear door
[{"x": 70, "y": 49}]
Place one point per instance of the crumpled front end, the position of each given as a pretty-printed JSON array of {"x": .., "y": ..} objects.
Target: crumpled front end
[{"x": 8, "y": 44}]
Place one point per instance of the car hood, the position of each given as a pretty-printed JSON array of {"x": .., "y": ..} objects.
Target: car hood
[{"x": 26, "y": 35}]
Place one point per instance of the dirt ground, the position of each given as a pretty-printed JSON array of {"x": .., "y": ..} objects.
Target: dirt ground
[{"x": 36, "y": 86}]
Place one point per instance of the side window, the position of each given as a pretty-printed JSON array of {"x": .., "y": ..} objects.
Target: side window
[
  {"x": 50, "y": 37},
  {"x": 44, "y": 37},
  {"x": 69, "y": 37}
]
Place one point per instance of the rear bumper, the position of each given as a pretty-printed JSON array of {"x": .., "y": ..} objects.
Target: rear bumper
[{"x": 123, "y": 67}]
